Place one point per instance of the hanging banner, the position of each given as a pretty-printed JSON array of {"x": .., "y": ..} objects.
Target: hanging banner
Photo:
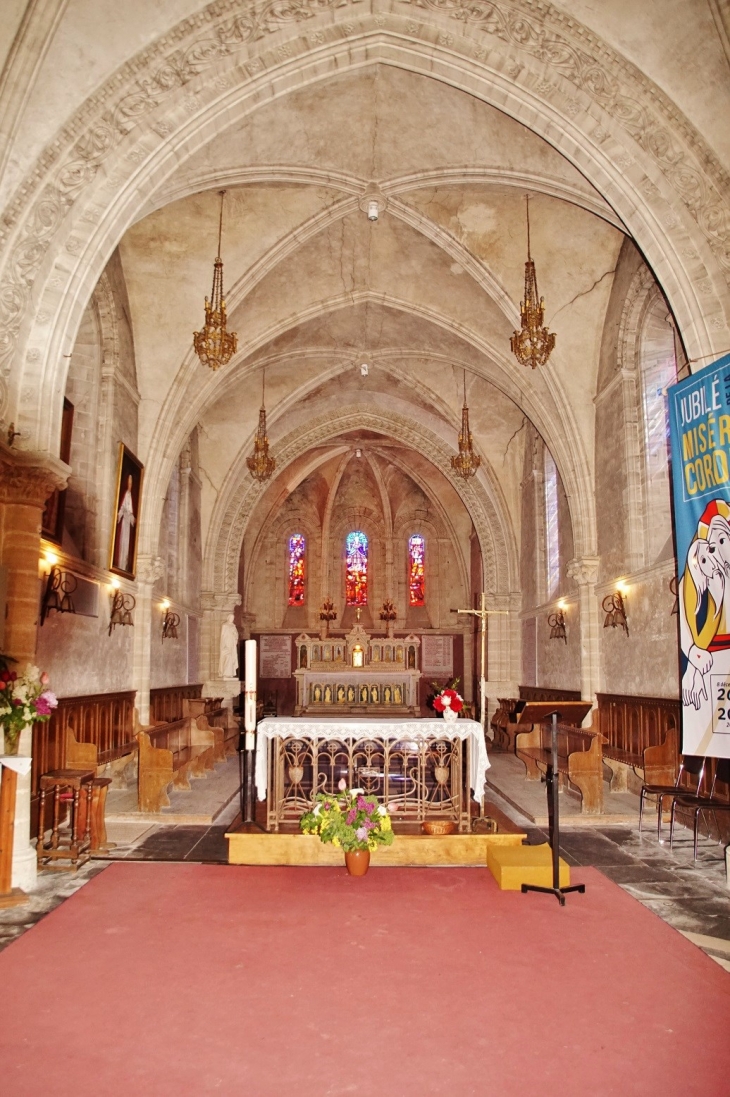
[{"x": 699, "y": 421}]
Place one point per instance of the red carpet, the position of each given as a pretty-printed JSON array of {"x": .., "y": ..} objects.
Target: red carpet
[{"x": 187, "y": 980}]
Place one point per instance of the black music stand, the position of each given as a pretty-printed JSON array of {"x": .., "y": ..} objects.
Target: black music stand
[{"x": 569, "y": 712}]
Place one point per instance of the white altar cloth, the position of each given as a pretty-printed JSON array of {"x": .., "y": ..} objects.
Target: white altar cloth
[{"x": 301, "y": 727}]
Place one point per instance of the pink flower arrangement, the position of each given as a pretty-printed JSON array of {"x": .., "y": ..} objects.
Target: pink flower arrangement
[{"x": 24, "y": 700}]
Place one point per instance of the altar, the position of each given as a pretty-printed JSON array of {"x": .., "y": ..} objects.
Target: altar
[
  {"x": 419, "y": 768},
  {"x": 357, "y": 674}
]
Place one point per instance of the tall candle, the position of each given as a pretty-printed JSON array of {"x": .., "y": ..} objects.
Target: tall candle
[
  {"x": 250, "y": 666},
  {"x": 249, "y": 707}
]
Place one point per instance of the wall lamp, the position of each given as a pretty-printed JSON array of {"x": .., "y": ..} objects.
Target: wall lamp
[
  {"x": 121, "y": 608},
  {"x": 60, "y": 585},
  {"x": 615, "y": 610},
  {"x": 170, "y": 622},
  {"x": 557, "y": 623}
]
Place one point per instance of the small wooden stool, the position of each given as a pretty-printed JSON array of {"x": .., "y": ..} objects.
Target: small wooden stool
[
  {"x": 77, "y": 781},
  {"x": 99, "y": 843}
]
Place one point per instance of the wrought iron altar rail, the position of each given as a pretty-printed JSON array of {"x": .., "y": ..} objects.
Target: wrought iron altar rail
[{"x": 417, "y": 778}]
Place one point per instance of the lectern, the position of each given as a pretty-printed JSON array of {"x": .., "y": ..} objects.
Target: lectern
[{"x": 572, "y": 713}]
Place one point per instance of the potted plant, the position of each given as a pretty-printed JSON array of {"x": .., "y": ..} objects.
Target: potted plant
[
  {"x": 352, "y": 821},
  {"x": 24, "y": 699},
  {"x": 449, "y": 703}
]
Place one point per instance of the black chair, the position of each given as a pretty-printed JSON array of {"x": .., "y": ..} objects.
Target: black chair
[
  {"x": 692, "y": 764},
  {"x": 698, "y": 804}
]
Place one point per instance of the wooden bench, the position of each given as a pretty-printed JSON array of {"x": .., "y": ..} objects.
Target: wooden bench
[
  {"x": 632, "y": 726},
  {"x": 580, "y": 760},
  {"x": 504, "y": 723},
  {"x": 170, "y": 754}
]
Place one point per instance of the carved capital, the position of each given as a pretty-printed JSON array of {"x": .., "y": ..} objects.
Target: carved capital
[
  {"x": 584, "y": 570},
  {"x": 149, "y": 568},
  {"x": 29, "y": 478},
  {"x": 224, "y": 602}
]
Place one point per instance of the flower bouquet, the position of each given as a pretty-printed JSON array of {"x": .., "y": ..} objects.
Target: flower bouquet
[
  {"x": 351, "y": 821},
  {"x": 448, "y": 702},
  {"x": 24, "y": 699}
]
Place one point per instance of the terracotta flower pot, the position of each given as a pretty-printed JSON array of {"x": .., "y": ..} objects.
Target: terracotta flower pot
[{"x": 357, "y": 861}]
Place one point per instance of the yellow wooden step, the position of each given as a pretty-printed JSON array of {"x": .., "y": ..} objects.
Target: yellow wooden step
[
  {"x": 513, "y": 866},
  {"x": 408, "y": 849}
]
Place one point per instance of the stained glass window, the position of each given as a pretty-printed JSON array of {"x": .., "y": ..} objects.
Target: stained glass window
[
  {"x": 416, "y": 570},
  {"x": 356, "y": 559},
  {"x": 297, "y": 550},
  {"x": 552, "y": 534}
]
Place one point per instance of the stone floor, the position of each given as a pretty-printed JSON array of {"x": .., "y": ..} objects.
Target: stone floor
[{"x": 691, "y": 896}]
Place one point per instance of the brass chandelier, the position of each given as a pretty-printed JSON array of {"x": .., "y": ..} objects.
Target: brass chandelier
[
  {"x": 532, "y": 345},
  {"x": 215, "y": 345},
  {"x": 466, "y": 462},
  {"x": 260, "y": 465}
]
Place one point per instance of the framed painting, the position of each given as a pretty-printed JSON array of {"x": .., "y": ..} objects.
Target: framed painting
[{"x": 125, "y": 521}]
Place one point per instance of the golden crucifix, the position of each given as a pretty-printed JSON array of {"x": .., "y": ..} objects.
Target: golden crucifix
[{"x": 482, "y": 613}]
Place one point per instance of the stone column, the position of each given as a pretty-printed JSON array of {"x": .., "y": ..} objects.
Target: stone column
[
  {"x": 149, "y": 570},
  {"x": 26, "y": 481},
  {"x": 503, "y": 649},
  {"x": 585, "y": 572}
]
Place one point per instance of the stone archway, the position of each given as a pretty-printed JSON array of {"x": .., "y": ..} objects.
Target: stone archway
[{"x": 540, "y": 67}]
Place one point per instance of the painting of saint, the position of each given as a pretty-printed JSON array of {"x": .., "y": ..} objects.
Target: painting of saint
[
  {"x": 340, "y": 695},
  {"x": 363, "y": 695},
  {"x": 126, "y": 514},
  {"x": 351, "y": 695},
  {"x": 386, "y": 695},
  {"x": 374, "y": 695},
  {"x": 328, "y": 695},
  {"x": 397, "y": 695},
  {"x": 317, "y": 695}
]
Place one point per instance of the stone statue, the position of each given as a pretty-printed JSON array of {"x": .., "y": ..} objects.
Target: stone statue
[{"x": 228, "y": 661}]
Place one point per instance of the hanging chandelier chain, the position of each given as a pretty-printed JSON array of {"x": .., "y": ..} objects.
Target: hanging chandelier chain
[
  {"x": 466, "y": 462},
  {"x": 214, "y": 344},
  {"x": 533, "y": 344}
]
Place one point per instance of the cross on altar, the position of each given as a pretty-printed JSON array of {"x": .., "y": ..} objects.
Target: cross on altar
[{"x": 482, "y": 613}]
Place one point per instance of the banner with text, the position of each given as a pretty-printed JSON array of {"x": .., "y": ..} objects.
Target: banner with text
[{"x": 699, "y": 422}]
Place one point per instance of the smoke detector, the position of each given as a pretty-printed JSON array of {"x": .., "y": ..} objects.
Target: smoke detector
[{"x": 372, "y": 203}]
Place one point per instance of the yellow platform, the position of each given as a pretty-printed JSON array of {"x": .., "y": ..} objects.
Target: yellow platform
[
  {"x": 408, "y": 849},
  {"x": 513, "y": 866}
]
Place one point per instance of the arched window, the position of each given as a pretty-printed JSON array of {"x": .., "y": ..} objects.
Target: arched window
[
  {"x": 552, "y": 533},
  {"x": 297, "y": 552},
  {"x": 658, "y": 368},
  {"x": 416, "y": 570},
  {"x": 356, "y": 559}
]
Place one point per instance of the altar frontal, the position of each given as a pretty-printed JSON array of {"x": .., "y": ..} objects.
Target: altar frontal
[{"x": 418, "y": 768}]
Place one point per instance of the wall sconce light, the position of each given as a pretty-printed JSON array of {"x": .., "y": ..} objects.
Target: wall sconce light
[
  {"x": 122, "y": 606},
  {"x": 170, "y": 622},
  {"x": 59, "y": 588},
  {"x": 50, "y": 558},
  {"x": 673, "y": 585},
  {"x": 557, "y": 625},
  {"x": 613, "y": 605}
]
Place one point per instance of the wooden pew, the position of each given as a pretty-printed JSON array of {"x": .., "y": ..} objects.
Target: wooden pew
[
  {"x": 580, "y": 759},
  {"x": 633, "y": 726},
  {"x": 504, "y": 723},
  {"x": 170, "y": 754}
]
